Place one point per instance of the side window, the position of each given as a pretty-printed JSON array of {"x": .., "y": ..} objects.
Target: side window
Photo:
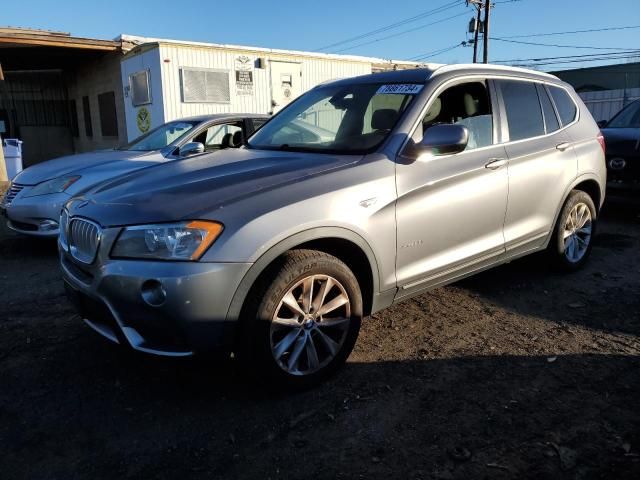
[
  {"x": 524, "y": 116},
  {"x": 218, "y": 137},
  {"x": 566, "y": 108},
  {"x": 466, "y": 104},
  {"x": 550, "y": 119}
]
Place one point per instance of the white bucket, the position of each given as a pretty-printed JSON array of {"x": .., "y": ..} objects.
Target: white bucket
[{"x": 13, "y": 156}]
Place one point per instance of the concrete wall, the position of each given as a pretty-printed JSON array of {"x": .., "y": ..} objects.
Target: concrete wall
[{"x": 92, "y": 79}]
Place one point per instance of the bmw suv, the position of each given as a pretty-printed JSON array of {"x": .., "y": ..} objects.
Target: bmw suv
[{"x": 278, "y": 250}]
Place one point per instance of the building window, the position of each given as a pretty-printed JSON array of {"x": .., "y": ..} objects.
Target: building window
[
  {"x": 140, "y": 89},
  {"x": 86, "y": 111},
  {"x": 108, "y": 117},
  {"x": 205, "y": 86},
  {"x": 73, "y": 114}
]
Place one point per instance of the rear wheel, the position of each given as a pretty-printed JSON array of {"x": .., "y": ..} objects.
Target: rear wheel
[
  {"x": 306, "y": 318},
  {"x": 572, "y": 238}
]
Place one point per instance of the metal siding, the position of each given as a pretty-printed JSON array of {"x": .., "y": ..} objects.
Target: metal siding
[
  {"x": 174, "y": 57},
  {"x": 604, "y": 104}
]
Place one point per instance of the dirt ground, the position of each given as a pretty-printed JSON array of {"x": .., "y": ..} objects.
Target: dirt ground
[{"x": 514, "y": 373}]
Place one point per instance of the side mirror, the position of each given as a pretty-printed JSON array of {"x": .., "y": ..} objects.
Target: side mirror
[
  {"x": 191, "y": 148},
  {"x": 602, "y": 123},
  {"x": 440, "y": 140}
]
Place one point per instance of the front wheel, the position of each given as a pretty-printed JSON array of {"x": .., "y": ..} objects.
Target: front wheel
[
  {"x": 573, "y": 235},
  {"x": 307, "y": 318}
]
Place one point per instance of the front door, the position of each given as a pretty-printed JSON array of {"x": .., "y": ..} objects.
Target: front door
[
  {"x": 451, "y": 208},
  {"x": 286, "y": 83}
]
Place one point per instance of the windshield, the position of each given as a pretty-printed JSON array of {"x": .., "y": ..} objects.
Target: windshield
[
  {"x": 628, "y": 117},
  {"x": 160, "y": 137},
  {"x": 337, "y": 119}
]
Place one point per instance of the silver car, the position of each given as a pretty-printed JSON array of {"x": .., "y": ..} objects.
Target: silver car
[
  {"x": 277, "y": 251},
  {"x": 34, "y": 200}
]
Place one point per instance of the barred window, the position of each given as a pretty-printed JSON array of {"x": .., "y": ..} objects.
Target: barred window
[{"x": 205, "y": 86}]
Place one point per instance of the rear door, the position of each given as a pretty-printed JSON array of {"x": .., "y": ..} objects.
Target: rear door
[{"x": 541, "y": 162}]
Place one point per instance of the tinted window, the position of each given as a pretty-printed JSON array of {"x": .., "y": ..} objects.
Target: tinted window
[
  {"x": 550, "y": 119},
  {"x": 466, "y": 104},
  {"x": 522, "y": 106},
  {"x": 565, "y": 106},
  {"x": 628, "y": 117}
]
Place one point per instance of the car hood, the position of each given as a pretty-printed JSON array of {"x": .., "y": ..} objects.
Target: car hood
[
  {"x": 199, "y": 187},
  {"x": 112, "y": 162},
  {"x": 621, "y": 141}
]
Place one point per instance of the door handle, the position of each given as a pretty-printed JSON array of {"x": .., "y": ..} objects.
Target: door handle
[
  {"x": 495, "y": 163},
  {"x": 563, "y": 146}
]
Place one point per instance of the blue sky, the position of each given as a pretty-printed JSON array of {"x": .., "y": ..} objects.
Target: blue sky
[{"x": 306, "y": 25}]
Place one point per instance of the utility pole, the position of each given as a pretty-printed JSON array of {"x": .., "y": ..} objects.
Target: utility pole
[
  {"x": 487, "y": 9},
  {"x": 476, "y": 35}
]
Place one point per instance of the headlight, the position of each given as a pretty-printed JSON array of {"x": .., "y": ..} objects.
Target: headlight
[
  {"x": 170, "y": 241},
  {"x": 55, "y": 185}
]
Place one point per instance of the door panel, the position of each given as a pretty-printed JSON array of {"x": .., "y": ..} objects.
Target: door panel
[
  {"x": 538, "y": 176},
  {"x": 450, "y": 214},
  {"x": 286, "y": 83}
]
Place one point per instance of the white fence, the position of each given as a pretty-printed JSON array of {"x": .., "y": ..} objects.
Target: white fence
[{"x": 605, "y": 104}]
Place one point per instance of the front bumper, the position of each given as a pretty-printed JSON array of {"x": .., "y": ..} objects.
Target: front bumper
[
  {"x": 110, "y": 296},
  {"x": 35, "y": 215}
]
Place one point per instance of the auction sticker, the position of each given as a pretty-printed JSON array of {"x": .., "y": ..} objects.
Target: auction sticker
[{"x": 400, "y": 89}]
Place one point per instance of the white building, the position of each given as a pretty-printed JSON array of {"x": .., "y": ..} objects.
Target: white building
[
  {"x": 168, "y": 79},
  {"x": 63, "y": 94}
]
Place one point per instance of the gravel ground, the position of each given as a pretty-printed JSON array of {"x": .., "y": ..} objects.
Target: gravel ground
[{"x": 514, "y": 373}]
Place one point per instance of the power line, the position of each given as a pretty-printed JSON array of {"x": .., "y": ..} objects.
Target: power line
[
  {"x": 549, "y": 34},
  {"x": 403, "y": 32},
  {"x": 433, "y": 53},
  {"x": 501, "y": 39},
  {"x": 568, "y": 56},
  {"x": 400, "y": 23}
]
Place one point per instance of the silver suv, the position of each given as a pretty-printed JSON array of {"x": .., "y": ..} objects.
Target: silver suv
[{"x": 276, "y": 251}]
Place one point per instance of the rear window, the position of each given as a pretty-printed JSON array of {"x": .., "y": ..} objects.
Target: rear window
[
  {"x": 565, "y": 106},
  {"x": 524, "y": 116}
]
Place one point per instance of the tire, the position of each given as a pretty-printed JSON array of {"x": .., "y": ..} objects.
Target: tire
[
  {"x": 297, "y": 343},
  {"x": 569, "y": 251}
]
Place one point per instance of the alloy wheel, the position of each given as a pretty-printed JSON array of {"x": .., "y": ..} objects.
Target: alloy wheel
[
  {"x": 310, "y": 324},
  {"x": 577, "y": 232}
]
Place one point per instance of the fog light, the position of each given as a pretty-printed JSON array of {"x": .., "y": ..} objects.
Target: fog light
[
  {"x": 47, "y": 225},
  {"x": 153, "y": 293}
]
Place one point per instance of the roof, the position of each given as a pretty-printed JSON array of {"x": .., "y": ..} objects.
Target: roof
[
  {"x": 139, "y": 41},
  {"x": 20, "y": 37},
  {"x": 421, "y": 75}
]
